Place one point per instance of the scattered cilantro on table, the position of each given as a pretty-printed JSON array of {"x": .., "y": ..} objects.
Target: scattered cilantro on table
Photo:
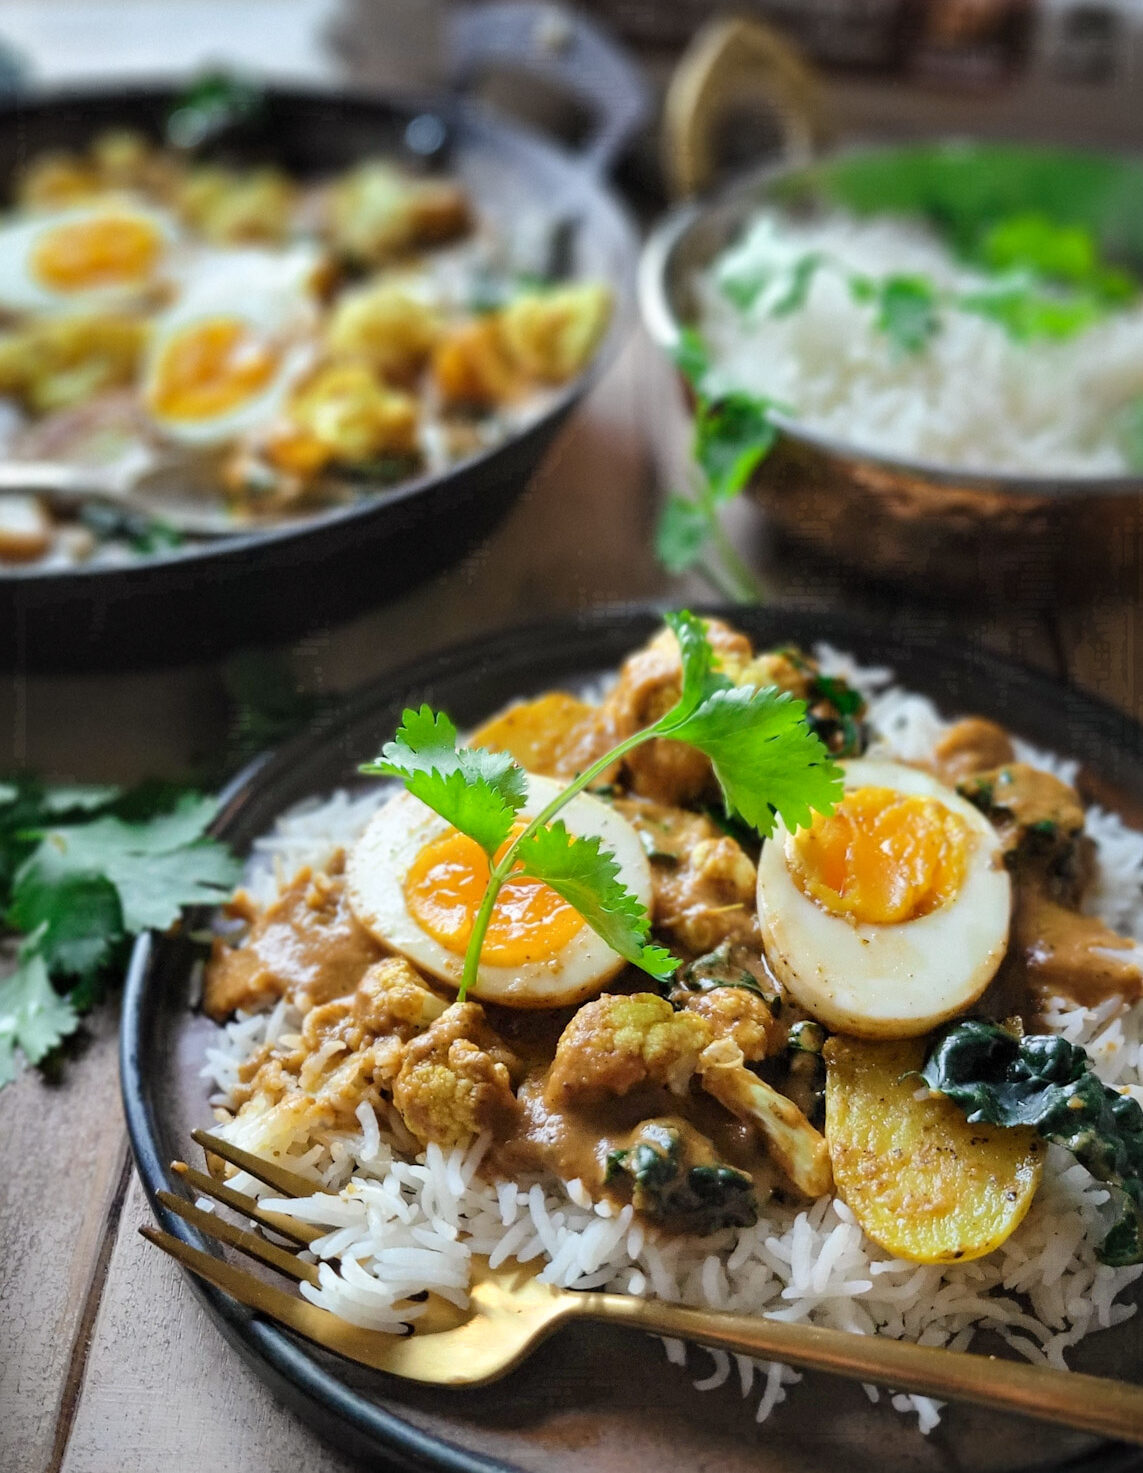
[
  {"x": 82, "y": 871},
  {"x": 768, "y": 762}
]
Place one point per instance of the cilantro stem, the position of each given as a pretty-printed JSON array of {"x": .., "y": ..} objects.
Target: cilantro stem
[
  {"x": 746, "y": 588},
  {"x": 502, "y": 869}
]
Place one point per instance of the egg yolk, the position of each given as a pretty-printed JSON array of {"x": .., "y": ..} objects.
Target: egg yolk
[
  {"x": 84, "y": 255},
  {"x": 444, "y": 888},
  {"x": 209, "y": 368},
  {"x": 881, "y": 857}
]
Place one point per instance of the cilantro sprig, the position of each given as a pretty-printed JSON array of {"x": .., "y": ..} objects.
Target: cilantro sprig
[
  {"x": 768, "y": 763},
  {"x": 82, "y": 871},
  {"x": 732, "y": 436}
]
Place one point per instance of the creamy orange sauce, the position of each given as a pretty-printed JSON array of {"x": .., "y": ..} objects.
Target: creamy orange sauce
[{"x": 307, "y": 945}]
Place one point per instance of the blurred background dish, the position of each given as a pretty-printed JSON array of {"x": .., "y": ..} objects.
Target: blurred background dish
[
  {"x": 548, "y": 236},
  {"x": 948, "y": 333}
]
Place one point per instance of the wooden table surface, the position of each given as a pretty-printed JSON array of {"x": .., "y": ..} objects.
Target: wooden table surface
[{"x": 107, "y": 1362}]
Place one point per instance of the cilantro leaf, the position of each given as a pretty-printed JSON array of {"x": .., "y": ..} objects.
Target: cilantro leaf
[
  {"x": 743, "y": 289},
  {"x": 700, "y": 679},
  {"x": 477, "y": 791},
  {"x": 1026, "y": 313},
  {"x": 34, "y": 1018},
  {"x": 1130, "y": 430},
  {"x": 691, "y": 357},
  {"x": 907, "y": 312},
  {"x": 681, "y": 534},
  {"x": 798, "y": 288},
  {"x": 765, "y": 757},
  {"x": 587, "y": 877},
  {"x": 80, "y": 917},
  {"x": 155, "y": 868},
  {"x": 733, "y": 436}
]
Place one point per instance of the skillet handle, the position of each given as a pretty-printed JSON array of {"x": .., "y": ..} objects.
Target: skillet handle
[
  {"x": 734, "y": 62},
  {"x": 561, "y": 47}
]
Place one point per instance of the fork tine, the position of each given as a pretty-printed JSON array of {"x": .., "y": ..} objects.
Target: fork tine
[
  {"x": 215, "y": 1226},
  {"x": 285, "y": 1183},
  {"x": 399, "y": 1355},
  {"x": 278, "y": 1222}
]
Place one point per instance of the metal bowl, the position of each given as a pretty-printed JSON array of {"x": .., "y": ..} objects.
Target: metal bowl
[{"x": 909, "y": 521}]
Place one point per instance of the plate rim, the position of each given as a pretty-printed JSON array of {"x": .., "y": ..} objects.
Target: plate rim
[{"x": 339, "y": 1413}]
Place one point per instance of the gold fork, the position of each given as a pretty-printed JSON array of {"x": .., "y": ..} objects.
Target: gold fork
[{"x": 510, "y": 1312}]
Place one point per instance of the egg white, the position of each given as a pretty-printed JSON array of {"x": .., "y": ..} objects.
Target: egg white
[
  {"x": 375, "y": 884},
  {"x": 21, "y": 291},
  {"x": 270, "y": 293},
  {"x": 889, "y": 981}
]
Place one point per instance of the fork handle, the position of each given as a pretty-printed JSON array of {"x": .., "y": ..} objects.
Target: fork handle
[{"x": 1090, "y": 1403}]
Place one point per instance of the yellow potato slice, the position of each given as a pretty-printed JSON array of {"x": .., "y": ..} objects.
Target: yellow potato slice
[
  {"x": 922, "y": 1182},
  {"x": 534, "y": 732}
]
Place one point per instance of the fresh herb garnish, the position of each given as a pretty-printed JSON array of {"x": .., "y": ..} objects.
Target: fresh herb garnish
[
  {"x": 212, "y": 105},
  {"x": 732, "y": 436},
  {"x": 34, "y": 1018},
  {"x": 907, "y": 312},
  {"x": 767, "y": 762},
  {"x": 82, "y": 871},
  {"x": 1129, "y": 427},
  {"x": 1048, "y": 1083}
]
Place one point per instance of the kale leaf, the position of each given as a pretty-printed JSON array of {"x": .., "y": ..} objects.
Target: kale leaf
[
  {"x": 708, "y": 1194},
  {"x": 1048, "y": 1083}
]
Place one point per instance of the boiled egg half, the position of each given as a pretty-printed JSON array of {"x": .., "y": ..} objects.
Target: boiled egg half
[
  {"x": 416, "y": 884},
  {"x": 225, "y": 357},
  {"x": 95, "y": 255},
  {"x": 890, "y": 915}
]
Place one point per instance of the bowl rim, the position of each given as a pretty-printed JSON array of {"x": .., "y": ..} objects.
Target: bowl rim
[{"x": 665, "y": 330}]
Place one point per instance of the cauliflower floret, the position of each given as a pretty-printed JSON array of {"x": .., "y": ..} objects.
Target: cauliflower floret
[
  {"x": 230, "y": 206},
  {"x": 377, "y": 213},
  {"x": 473, "y": 368},
  {"x": 710, "y": 897},
  {"x": 798, "y": 1148},
  {"x": 341, "y": 415},
  {"x": 456, "y": 1079},
  {"x": 392, "y": 998},
  {"x": 740, "y": 1014},
  {"x": 119, "y": 161},
  {"x": 552, "y": 334},
  {"x": 387, "y": 325},
  {"x": 770, "y": 668},
  {"x": 616, "y": 1043},
  {"x": 349, "y": 1049},
  {"x": 63, "y": 361}
]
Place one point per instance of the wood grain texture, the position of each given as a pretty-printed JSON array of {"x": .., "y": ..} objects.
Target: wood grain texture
[
  {"x": 62, "y": 1156},
  {"x": 164, "y": 1391}
]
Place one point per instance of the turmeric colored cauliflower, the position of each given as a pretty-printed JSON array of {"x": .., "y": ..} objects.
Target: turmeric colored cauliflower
[
  {"x": 456, "y": 1079},
  {"x": 616, "y": 1043}
]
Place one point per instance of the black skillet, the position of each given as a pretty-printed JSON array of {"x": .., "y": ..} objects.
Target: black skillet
[
  {"x": 196, "y": 602},
  {"x": 593, "y": 1397}
]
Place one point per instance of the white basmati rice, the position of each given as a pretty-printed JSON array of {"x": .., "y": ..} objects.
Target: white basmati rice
[
  {"x": 401, "y": 1221},
  {"x": 973, "y": 397}
]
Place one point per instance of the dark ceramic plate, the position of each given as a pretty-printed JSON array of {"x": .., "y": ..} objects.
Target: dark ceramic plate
[{"x": 598, "y": 1394}]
